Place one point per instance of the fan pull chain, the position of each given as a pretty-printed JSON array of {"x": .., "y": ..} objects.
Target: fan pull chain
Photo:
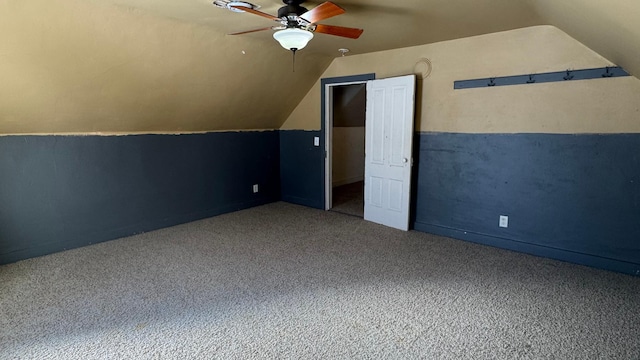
[{"x": 293, "y": 50}]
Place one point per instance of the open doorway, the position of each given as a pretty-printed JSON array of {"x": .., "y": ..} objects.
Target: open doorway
[
  {"x": 389, "y": 122},
  {"x": 328, "y": 85},
  {"x": 347, "y": 148}
]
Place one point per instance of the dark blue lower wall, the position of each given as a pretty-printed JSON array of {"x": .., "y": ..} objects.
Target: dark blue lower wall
[
  {"x": 570, "y": 197},
  {"x": 302, "y": 168},
  {"x": 60, "y": 192}
]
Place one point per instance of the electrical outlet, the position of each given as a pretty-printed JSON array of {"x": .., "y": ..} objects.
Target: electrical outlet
[
  {"x": 504, "y": 221},
  {"x": 316, "y": 141},
  {"x": 255, "y": 188}
]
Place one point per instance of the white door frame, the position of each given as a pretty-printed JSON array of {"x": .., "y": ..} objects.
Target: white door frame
[{"x": 328, "y": 140}]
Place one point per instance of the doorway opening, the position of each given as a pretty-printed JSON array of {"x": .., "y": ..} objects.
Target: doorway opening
[
  {"x": 347, "y": 124},
  {"x": 346, "y": 98},
  {"x": 389, "y": 119}
]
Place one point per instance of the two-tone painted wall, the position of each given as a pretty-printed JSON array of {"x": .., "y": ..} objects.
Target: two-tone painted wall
[
  {"x": 93, "y": 68},
  {"x": 560, "y": 159}
]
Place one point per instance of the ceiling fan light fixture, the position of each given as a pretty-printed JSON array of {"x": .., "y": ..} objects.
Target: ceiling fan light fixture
[
  {"x": 293, "y": 38},
  {"x": 235, "y": 5},
  {"x": 221, "y": 3}
]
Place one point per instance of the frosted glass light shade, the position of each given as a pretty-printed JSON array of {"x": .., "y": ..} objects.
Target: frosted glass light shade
[{"x": 293, "y": 38}]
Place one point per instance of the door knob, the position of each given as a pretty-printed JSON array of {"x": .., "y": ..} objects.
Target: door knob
[{"x": 405, "y": 160}]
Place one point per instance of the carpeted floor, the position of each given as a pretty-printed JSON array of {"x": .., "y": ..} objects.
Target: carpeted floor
[
  {"x": 349, "y": 199},
  {"x": 284, "y": 281}
]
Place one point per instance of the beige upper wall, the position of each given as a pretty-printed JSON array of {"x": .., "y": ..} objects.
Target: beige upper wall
[
  {"x": 76, "y": 66},
  {"x": 589, "y": 106},
  {"x": 165, "y": 66}
]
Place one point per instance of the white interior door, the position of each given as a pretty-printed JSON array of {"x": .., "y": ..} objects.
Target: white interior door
[{"x": 388, "y": 144}]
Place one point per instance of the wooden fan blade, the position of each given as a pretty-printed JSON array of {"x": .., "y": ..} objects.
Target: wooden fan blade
[
  {"x": 256, "y": 12},
  {"x": 347, "y": 32},
  {"x": 250, "y": 31},
  {"x": 322, "y": 11}
]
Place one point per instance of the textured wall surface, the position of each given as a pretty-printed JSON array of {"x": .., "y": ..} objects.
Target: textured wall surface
[
  {"x": 77, "y": 66},
  {"x": 59, "y": 192},
  {"x": 301, "y": 168},
  {"x": 573, "y": 197}
]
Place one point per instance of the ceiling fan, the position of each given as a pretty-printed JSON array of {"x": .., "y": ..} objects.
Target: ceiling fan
[{"x": 297, "y": 24}]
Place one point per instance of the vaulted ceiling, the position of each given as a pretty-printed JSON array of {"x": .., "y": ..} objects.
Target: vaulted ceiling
[{"x": 126, "y": 66}]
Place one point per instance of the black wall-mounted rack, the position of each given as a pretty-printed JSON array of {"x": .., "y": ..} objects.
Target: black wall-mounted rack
[{"x": 567, "y": 75}]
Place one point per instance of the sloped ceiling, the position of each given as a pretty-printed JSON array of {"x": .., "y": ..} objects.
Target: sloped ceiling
[{"x": 127, "y": 66}]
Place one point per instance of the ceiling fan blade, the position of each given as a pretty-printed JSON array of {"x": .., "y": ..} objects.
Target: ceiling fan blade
[
  {"x": 347, "y": 32},
  {"x": 250, "y": 31},
  {"x": 256, "y": 12},
  {"x": 322, "y": 12}
]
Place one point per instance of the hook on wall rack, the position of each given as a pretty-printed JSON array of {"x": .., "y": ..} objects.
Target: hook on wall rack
[
  {"x": 607, "y": 73},
  {"x": 569, "y": 75}
]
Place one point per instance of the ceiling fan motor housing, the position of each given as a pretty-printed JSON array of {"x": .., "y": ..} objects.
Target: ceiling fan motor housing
[
  {"x": 297, "y": 22},
  {"x": 291, "y": 10}
]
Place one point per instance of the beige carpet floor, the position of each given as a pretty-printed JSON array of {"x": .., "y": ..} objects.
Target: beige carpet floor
[
  {"x": 349, "y": 199},
  {"x": 282, "y": 281}
]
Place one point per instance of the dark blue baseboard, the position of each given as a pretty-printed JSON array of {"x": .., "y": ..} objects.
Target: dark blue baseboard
[
  {"x": 569, "y": 197},
  {"x": 62, "y": 192}
]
